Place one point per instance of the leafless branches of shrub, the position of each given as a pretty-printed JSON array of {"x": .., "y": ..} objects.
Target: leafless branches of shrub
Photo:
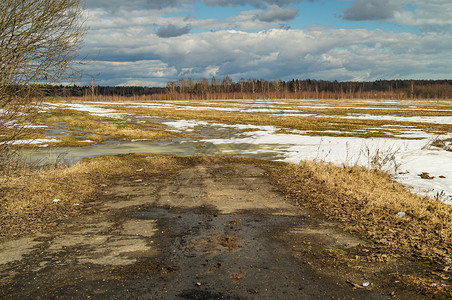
[
  {"x": 38, "y": 42},
  {"x": 441, "y": 142},
  {"x": 382, "y": 159}
]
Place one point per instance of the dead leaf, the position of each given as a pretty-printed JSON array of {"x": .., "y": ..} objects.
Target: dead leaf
[{"x": 237, "y": 276}]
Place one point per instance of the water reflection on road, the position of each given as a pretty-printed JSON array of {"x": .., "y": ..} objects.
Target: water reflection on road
[{"x": 182, "y": 147}]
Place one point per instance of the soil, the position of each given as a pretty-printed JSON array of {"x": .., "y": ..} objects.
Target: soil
[{"x": 210, "y": 231}]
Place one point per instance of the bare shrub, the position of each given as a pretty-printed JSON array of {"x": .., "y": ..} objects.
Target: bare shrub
[
  {"x": 382, "y": 159},
  {"x": 38, "y": 42}
]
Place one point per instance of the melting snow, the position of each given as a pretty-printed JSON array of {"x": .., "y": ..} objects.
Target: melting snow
[
  {"x": 413, "y": 155},
  {"x": 35, "y": 141},
  {"x": 92, "y": 109},
  {"x": 185, "y": 125}
]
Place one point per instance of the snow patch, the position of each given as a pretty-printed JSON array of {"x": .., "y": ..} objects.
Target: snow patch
[{"x": 91, "y": 109}]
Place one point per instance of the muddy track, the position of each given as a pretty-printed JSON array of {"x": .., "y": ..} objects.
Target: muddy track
[{"x": 211, "y": 231}]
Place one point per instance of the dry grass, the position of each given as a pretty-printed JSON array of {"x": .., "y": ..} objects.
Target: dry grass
[
  {"x": 428, "y": 286},
  {"x": 443, "y": 143},
  {"x": 27, "y": 199},
  {"x": 367, "y": 201},
  {"x": 321, "y": 106},
  {"x": 100, "y": 128},
  {"x": 330, "y": 119},
  {"x": 326, "y": 126}
]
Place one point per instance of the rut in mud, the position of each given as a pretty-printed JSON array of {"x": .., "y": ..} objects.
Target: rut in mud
[{"x": 211, "y": 231}]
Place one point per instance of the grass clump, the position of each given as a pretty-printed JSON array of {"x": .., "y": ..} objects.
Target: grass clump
[{"x": 443, "y": 143}]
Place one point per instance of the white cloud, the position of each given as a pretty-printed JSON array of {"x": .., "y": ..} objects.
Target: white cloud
[
  {"x": 258, "y": 19},
  {"x": 114, "y": 5},
  {"x": 143, "y": 72},
  {"x": 433, "y": 15}
]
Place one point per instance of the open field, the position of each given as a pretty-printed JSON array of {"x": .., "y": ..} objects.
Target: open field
[{"x": 411, "y": 139}]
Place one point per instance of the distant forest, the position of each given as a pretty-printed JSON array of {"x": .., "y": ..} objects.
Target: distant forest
[{"x": 259, "y": 88}]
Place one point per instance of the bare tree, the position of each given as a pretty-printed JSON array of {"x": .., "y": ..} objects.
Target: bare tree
[
  {"x": 181, "y": 85},
  {"x": 227, "y": 84},
  {"x": 38, "y": 43}
]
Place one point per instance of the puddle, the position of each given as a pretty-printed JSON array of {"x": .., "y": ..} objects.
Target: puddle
[
  {"x": 207, "y": 144},
  {"x": 71, "y": 155}
]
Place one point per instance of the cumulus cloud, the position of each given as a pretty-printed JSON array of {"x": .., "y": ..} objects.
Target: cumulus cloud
[
  {"x": 172, "y": 30},
  {"x": 138, "y": 73},
  {"x": 371, "y": 10},
  {"x": 276, "y": 13},
  {"x": 258, "y": 19}
]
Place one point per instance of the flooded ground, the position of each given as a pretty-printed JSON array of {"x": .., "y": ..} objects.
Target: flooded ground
[{"x": 395, "y": 136}]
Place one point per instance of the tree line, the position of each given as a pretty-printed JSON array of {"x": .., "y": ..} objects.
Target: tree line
[
  {"x": 85, "y": 91},
  {"x": 261, "y": 88},
  {"x": 295, "y": 88}
]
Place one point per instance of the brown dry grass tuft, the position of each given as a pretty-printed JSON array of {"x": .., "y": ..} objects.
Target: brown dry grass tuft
[
  {"x": 444, "y": 143},
  {"x": 428, "y": 286},
  {"x": 367, "y": 202}
]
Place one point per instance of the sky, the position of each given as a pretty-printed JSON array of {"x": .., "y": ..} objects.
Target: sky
[{"x": 151, "y": 42}]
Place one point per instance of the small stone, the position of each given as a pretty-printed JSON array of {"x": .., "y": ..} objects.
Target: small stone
[{"x": 400, "y": 214}]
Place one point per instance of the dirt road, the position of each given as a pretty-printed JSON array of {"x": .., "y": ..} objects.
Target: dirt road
[{"x": 211, "y": 231}]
